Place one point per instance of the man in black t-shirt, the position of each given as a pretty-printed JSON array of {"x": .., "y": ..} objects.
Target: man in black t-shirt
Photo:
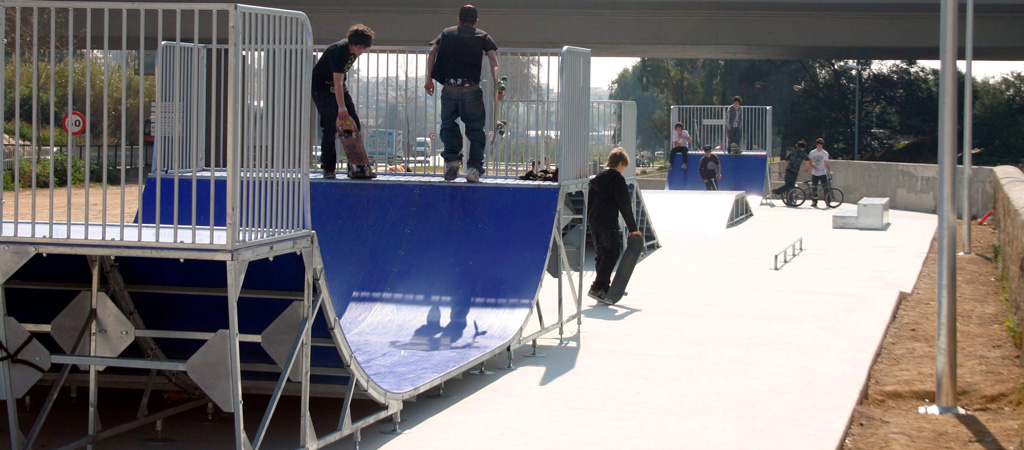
[
  {"x": 454, "y": 61},
  {"x": 330, "y": 93},
  {"x": 793, "y": 160},
  {"x": 710, "y": 169}
]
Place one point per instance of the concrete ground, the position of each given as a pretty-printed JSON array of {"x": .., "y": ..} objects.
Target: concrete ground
[{"x": 712, "y": 349}]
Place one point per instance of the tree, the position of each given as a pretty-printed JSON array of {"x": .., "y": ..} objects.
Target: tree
[
  {"x": 999, "y": 120},
  {"x": 626, "y": 86}
]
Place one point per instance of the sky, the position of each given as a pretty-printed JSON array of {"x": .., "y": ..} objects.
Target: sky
[{"x": 604, "y": 70}]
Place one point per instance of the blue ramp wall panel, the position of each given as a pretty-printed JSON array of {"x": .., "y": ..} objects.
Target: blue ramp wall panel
[
  {"x": 743, "y": 172},
  {"x": 429, "y": 276},
  {"x": 184, "y": 200}
]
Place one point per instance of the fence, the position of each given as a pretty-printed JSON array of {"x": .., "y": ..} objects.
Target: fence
[
  {"x": 707, "y": 125},
  {"x": 613, "y": 124},
  {"x": 227, "y": 86},
  {"x": 398, "y": 118}
]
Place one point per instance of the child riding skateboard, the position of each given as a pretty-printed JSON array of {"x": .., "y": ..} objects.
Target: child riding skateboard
[{"x": 608, "y": 197}]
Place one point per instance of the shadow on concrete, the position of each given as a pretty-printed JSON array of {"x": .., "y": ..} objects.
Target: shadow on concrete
[{"x": 601, "y": 311}]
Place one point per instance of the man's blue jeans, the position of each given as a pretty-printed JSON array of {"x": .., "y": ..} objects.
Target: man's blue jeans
[{"x": 468, "y": 106}]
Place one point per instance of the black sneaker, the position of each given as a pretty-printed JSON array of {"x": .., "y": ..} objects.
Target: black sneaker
[
  {"x": 451, "y": 170},
  {"x": 599, "y": 295},
  {"x": 329, "y": 175}
]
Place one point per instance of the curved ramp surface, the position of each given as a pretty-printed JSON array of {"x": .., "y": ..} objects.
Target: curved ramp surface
[{"x": 427, "y": 277}]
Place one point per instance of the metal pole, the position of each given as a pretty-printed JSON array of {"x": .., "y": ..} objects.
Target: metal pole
[
  {"x": 945, "y": 342},
  {"x": 966, "y": 217},
  {"x": 856, "y": 115}
]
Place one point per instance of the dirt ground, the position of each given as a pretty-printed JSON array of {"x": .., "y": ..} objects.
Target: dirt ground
[
  {"x": 990, "y": 378},
  {"x": 78, "y": 193}
]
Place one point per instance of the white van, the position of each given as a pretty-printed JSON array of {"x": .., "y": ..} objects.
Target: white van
[{"x": 422, "y": 147}]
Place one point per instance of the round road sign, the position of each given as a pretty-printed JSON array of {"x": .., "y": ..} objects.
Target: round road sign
[{"x": 74, "y": 123}]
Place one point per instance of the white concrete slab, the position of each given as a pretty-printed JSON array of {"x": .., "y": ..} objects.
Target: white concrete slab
[{"x": 711, "y": 350}]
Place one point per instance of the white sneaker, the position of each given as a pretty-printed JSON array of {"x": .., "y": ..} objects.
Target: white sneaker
[{"x": 472, "y": 175}]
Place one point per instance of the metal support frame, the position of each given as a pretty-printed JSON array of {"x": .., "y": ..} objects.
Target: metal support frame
[{"x": 968, "y": 147}]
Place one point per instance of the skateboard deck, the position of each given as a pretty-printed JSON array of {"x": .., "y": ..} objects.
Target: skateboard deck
[
  {"x": 352, "y": 142},
  {"x": 500, "y": 126},
  {"x": 634, "y": 246}
]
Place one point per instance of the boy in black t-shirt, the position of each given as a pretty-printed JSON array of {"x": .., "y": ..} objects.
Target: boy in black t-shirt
[
  {"x": 454, "y": 61},
  {"x": 608, "y": 196},
  {"x": 330, "y": 93},
  {"x": 793, "y": 160},
  {"x": 710, "y": 169}
]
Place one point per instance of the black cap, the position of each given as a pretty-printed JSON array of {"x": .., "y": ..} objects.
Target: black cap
[
  {"x": 707, "y": 148},
  {"x": 467, "y": 12}
]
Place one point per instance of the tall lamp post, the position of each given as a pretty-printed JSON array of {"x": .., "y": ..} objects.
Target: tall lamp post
[{"x": 856, "y": 111}]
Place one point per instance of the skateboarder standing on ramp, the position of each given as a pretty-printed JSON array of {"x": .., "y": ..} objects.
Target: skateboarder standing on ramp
[
  {"x": 609, "y": 197},
  {"x": 330, "y": 92},
  {"x": 454, "y": 61},
  {"x": 710, "y": 169}
]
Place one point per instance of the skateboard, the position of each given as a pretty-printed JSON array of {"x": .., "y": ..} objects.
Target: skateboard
[
  {"x": 634, "y": 247},
  {"x": 352, "y": 142},
  {"x": 501, "y": 126}
]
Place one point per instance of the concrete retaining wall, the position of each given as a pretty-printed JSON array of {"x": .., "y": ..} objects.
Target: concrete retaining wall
[
  {"x": 910, "y": 187},
  {"x": 1009, "y": 205}
]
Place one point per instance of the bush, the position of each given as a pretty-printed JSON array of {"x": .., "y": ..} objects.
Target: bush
[
  {"x": 60, "y": 173},
  {"x": 96, "y": 174},
  {"x": 60, "y": 170}
]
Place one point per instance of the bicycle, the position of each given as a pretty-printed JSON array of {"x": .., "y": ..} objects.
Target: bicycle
[{"x": 833, "y": 197}]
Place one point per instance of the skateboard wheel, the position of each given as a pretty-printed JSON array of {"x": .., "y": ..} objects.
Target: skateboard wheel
[
  {"x": 504, "y": 79},
  {"x": 501, "y": 132}
]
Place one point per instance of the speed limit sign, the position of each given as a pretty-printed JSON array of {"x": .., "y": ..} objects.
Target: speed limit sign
[{"x": 74, "y": 123}]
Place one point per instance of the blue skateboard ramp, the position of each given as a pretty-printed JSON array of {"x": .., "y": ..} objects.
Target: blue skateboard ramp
[
  {"x": 743, "y": 172},
  {"x": 429, "y": 277}
]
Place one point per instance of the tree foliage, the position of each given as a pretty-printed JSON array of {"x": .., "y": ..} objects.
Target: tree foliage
[{"x": 817, "y": 98}]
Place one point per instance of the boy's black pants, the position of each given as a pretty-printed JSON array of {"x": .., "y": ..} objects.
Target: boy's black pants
[{"x": 608, "y": 245}]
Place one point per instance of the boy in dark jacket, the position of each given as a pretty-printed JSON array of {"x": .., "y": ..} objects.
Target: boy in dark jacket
[
  {"x": 710, "y": 169},
  {"x": 608, "y": 197}
]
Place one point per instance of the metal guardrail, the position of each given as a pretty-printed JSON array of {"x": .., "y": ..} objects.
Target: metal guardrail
[
  {"x": 229, "y": 88},
  {"x": 707, "y": 126},
  {"x": 612, "y": 124},
  {"x": 573, "y": 114},
  {"x": 400, "y": 123},
  {"x": 786, "y": 254}
]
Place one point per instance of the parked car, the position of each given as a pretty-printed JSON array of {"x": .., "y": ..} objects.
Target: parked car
[{"x": 422, "y": 147}]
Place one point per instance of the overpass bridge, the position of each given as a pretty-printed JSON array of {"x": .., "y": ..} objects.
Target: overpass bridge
[{"x": 692, "y": 29}]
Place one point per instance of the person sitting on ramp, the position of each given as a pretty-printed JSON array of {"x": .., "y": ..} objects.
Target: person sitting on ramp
[{"x": 609, "y": 197}]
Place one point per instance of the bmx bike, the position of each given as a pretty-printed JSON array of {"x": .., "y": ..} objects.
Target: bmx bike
[{"x": 832, "y": 196}]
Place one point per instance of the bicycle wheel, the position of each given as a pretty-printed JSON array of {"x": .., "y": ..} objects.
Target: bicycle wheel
[
  {"x": 796, "y": 197},
  {"x": 833, "y": 198}
]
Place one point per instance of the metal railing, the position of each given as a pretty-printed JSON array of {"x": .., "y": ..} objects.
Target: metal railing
[
  {"x": 219, "y": 93},
  {"x": 612, "y": 124},
  {"x": 789, "y": 253},
  {"x": 573, "y": 114},
  {"x": 707, "y": 126},
  {"x": 400, "y": 123}
]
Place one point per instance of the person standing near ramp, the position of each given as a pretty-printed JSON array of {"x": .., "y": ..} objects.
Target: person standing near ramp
[
  {"x": 454, "y": 61},
  {"x": 710, "y": 169},
  {"x": 793, "y": 160},
  {"x": 608, "y": 197},
  {"x": 735, "y": 125},
  {"x": 330, "y": 92}
]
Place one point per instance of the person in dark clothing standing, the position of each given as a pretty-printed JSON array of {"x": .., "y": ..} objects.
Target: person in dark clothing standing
[
  {"x": 794, "y": 160},
  {"x": 710, "y": 169},
  {"x": 608, "y": 197},
  {"x": 330, "y": 92},
  {"x": 454, "y": 61}
]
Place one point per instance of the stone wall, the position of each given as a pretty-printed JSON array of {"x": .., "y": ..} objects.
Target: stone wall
[{"x": 1008, "y": 197}]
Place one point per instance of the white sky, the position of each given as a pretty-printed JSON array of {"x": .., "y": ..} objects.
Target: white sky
[{"x": 604, "y": 70}]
